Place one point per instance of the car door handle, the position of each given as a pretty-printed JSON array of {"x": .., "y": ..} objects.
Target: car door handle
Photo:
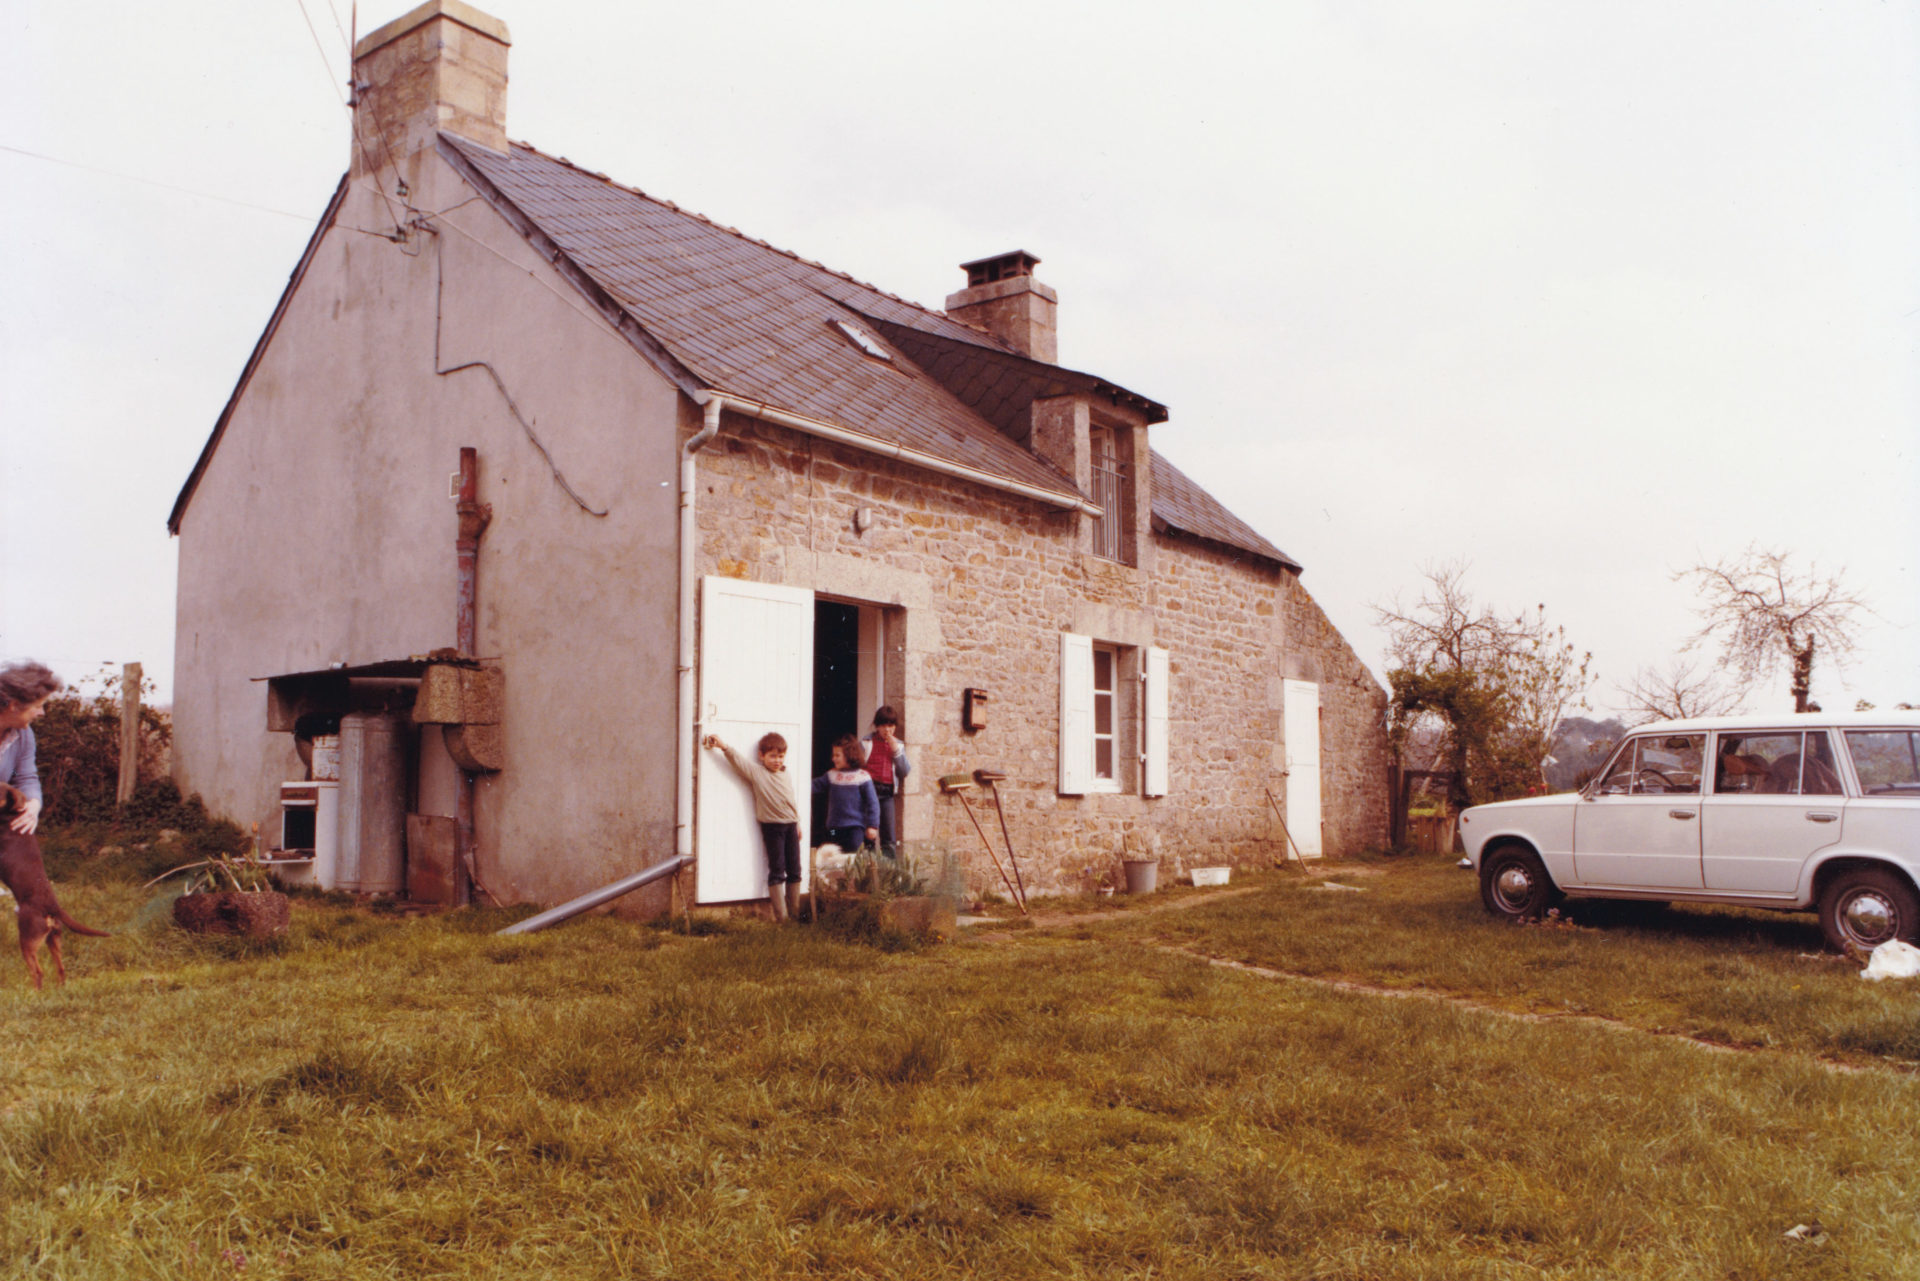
[
  {"x": 1679, "y": 813},
  {"x": 1822, "y": 816}
]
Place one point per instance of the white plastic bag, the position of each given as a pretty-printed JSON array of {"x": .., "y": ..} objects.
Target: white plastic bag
[{"x": 1893, "y": 960}]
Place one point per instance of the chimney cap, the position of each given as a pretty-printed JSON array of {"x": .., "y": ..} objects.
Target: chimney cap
[
  {"x": 464, "y": 14},
  {"x": 985, "y": 271}
]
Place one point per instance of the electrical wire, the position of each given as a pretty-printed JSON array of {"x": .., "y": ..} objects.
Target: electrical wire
[
  {"x": 353, "y": 124},
  {"x": 321, "y": 50},
  {"x": 150, "y": 182},
  {"x": 197, "y": 195},
  {"x": 342, "y": 30},
  {"x": 439, "y": 288},
  {"x": 571, "y": 300}
]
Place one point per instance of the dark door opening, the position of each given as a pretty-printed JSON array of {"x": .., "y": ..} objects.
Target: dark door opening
[
  {"x": 836, "y": 678},
  {"x": 846, "y": 682}
]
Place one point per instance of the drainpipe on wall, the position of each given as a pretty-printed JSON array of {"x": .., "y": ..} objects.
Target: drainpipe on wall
[
  {"x": 474, "y": 517},
  {"x": 913, "y": 457},
  {"x": 683, "y": 796}
]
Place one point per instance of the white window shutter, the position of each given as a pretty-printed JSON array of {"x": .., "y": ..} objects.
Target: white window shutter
[
  {"x": 1155, "y": 747},
  {"x": 1076, "y": 714}
]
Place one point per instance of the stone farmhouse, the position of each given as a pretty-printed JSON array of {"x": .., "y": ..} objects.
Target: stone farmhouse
[{"x": 561, "y": 476}]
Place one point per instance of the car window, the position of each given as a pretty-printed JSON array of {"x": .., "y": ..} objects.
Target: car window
[
  {"x": 1773, "y": 763},
  {"x": 1655, "y": 765},
  {"x": 1887, "y": 761}
]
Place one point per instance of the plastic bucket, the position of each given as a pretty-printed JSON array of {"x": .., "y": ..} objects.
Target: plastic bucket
[{"x": 1143, "y": 876}]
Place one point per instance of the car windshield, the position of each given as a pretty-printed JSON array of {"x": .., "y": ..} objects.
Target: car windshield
[
  {"x": 1887, "y": 761},
  {"x": 1655, "y": 765}
]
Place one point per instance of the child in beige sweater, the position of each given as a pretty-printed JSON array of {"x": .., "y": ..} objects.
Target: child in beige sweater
[{"x": 779, "y": 817}]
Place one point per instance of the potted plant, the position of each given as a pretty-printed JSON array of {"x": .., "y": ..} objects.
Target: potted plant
[{"x": 232, "y": 895}]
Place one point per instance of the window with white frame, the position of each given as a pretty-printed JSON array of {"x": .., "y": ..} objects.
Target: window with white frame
[
  {"x": 1113, "y": 717},
  {"x": 1106, "y": 665}
]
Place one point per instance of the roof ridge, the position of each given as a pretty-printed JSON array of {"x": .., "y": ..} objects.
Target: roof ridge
[{"x": 717, "y": 225}]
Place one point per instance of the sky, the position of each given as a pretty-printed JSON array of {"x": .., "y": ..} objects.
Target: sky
[{"x": 1577, "y": 295}]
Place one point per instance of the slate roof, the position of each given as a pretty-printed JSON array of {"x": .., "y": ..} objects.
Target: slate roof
[
  {"x": 715, "y": 309},
  {"x": 739, "y": 315},
  {"x": 1180, "y": 504},
  {"x": 746, "y": 318}
]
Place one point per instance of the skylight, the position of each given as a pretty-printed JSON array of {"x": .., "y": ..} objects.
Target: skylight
[{"x": 863, "y": 340}]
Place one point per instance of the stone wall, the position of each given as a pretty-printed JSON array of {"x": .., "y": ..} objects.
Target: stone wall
[
  {"x": 1354, "y": 760},
  {"x": 980, "y": 585}
]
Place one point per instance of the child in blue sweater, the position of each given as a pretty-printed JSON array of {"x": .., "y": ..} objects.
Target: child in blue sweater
[{"x": 853, "y": 807}]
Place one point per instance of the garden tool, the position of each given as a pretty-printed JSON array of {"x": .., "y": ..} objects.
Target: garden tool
[
  {"x": 1298, "y": 856},
  {"x": 958, "y": 785},
  {"x": 987, "y": 778}
]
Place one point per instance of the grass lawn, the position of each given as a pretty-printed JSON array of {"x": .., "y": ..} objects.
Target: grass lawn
[
  {"x": 1734, "y": 976},
  {"x": 382, "y": 1097}
]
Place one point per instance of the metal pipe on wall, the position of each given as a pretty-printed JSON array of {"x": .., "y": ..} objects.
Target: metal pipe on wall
[
  {"x": 913, "y": 457},
  {"x": 689, "y": 538},
  {"x": 474, "y": 517}
]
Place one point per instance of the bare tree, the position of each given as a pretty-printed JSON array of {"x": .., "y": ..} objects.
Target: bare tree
[
  {"x": 1496, "y": 685},
  {"x": 1761, "y": 609},
  {"x": 1676, "y": 693}
]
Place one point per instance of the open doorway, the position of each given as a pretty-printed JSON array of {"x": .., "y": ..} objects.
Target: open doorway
[{"x": 849, "y": 645}]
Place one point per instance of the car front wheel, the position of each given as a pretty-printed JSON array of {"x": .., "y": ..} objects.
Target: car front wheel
[
  {"x": 1514, "y": 883},
  {"x": 1862, "y": 909}
]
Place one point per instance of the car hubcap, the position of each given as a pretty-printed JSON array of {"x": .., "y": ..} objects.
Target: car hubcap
[
  {"x": 1514, "y": 884},
  {"x": 1869, "y": 918}
]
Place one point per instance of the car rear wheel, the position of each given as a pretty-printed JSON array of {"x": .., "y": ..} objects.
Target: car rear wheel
[
  {"x": 1514, "y": 883},
  {"x": 1863, "y": 908}
]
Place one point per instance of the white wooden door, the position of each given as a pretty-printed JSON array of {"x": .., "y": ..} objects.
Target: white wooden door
[
  {"x": 756, "y": 675},
  {"x": 1301, "y": 705}
]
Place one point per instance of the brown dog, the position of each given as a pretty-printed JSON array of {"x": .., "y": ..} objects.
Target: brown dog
[{"x": 25, "y": 873}]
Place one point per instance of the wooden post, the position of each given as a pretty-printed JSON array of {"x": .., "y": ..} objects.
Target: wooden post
[{"x": 129, "y": 733}]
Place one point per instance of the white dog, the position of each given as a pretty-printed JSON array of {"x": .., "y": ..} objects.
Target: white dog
[{"x": 830, "y": 866}]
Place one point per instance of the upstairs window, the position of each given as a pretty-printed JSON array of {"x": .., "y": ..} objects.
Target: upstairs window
[{"x": 1111, "y": 492}]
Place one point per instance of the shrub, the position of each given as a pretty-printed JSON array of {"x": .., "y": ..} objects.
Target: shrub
[{"x": 79, "y": 751}]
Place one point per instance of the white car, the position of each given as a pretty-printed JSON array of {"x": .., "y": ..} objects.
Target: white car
[{"x": 1815, "y": 811}]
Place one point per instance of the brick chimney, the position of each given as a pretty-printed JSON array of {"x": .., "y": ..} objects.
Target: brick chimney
[
  {"x": 441, "y": 67},
  {"x": 1003, "y": 298}
]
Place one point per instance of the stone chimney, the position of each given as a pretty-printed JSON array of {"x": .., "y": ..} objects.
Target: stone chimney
[
  {"x": 1003, "y": 298},
  {"x": 441, "y": 67}
]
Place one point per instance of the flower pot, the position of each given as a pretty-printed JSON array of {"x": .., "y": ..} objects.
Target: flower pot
[
  {"x": 1211, "y": 875},
  {"x": 1143, "y": 875},
  {"x": 255, "y": 914}
]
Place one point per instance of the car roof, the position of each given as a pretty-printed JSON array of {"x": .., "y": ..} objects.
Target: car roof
[{"x": 1895, "y": 718}]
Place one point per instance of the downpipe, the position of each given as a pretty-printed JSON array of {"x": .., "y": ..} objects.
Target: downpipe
[
  {"x": 474, "y": 518},
  {"x": 689, "y": 536}
]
